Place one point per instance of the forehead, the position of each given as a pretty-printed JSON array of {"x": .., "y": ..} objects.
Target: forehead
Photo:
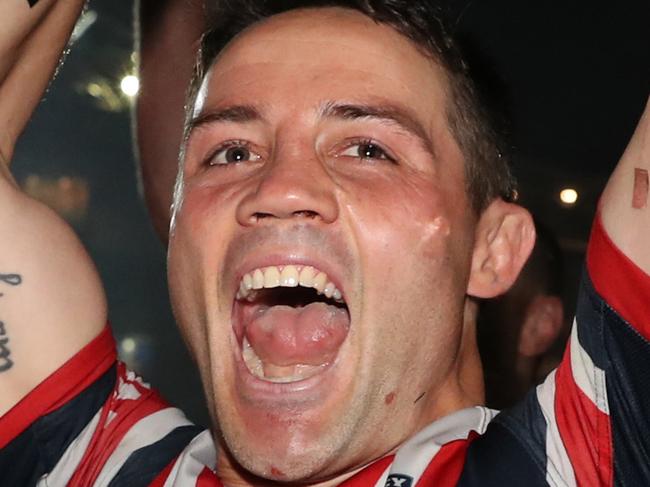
[{"x": 318, "y": 55}]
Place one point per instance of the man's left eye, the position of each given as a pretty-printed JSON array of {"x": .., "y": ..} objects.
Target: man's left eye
[{"x": 367, "y": 150}]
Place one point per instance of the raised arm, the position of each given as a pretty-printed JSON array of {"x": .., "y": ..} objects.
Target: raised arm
[
  {"x": 169, "y": 33},
  {"x": 51, "y": 300},
  {"x": 596, "y": 403},
  {"x": 33, "y": 35},
  {"x": 625, "y": 204}
]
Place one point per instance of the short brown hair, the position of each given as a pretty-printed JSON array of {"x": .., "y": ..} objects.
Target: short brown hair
[{"x": 487, "y": 170}]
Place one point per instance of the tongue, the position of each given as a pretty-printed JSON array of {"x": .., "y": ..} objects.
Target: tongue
[{"x": 310, "y": 335}]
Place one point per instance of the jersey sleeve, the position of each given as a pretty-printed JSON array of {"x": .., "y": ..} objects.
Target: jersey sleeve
[
  {"x": 92, "y": 422},
  {"x": 588, "y": 423},
  {"x": 602, "y": 398}
]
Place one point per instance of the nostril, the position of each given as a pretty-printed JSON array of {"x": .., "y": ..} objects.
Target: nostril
[
  {"x": 305, "y": 214},
  {"x": 261, "y": 216},
  {"x": 308, "y": 214}
]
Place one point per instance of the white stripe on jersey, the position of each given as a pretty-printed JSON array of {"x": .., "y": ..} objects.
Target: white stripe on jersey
[
  {"x": 559, "y": 471},
  {"x": 67, "y": 465},
  {"x": 145, "y": 432},
  {"x": 414, "y": 456},
  {"x": 590, "y": 379},
  {"x": 200, "y": 453}
]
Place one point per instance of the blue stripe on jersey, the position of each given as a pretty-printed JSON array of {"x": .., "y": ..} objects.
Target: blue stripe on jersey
[
  {"x": 617, "y": 348},
  {"x": 589, "y": 312},
  {"x": 38, "y": 449},
  {"x": 511, "y": 452},
  {"x": 144, "y": 465},
  {"x": 628, "y": 393}
]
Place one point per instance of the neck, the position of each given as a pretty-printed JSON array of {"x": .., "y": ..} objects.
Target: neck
[{"x": 470, "y": 373}]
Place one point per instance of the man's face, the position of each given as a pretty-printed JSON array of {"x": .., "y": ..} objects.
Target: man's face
[{"x": 321, "y": 163}]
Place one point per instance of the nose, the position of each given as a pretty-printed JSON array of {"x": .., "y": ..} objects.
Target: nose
[{"x": 290, "y": 187}]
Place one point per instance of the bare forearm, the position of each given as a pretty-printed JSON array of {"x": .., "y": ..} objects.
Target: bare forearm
[
  {"x": 32, "y": 39},
  {"x": 626, "y": 199},
  {"x": 51, "y": 300},
  {"x": 169, "y": 35}
]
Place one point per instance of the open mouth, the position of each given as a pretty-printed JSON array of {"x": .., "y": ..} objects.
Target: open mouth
[{"x": 290, "y": 322}]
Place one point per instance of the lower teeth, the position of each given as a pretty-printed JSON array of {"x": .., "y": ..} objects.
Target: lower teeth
[
  {"x": 273, "y": 373},
  {"x": 251, "y": 360}
]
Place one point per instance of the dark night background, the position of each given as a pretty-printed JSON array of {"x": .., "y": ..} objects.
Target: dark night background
[{"x": 577, "y": 75}]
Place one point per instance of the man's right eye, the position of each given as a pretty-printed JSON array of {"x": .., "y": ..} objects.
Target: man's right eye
[{"x": 232, "y": 153}]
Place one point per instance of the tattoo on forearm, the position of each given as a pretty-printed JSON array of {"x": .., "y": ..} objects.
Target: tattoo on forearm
[
  {"x": 13, "y": 279},
  {"x": 5, "y": 360},
  {"x": 640, "y": 192}
]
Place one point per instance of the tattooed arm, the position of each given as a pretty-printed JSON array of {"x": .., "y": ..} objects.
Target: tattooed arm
[
  {"x": 626, "y": 200},
  {"x": 51, "y": 302}
]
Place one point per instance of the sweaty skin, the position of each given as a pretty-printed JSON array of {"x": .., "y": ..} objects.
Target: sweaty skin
[{"x": 395, "y": 230}]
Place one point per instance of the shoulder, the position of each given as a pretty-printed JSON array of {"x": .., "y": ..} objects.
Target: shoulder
[{"x": 92, "y": 422}]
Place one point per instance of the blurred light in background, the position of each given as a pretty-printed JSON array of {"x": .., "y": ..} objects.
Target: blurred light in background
[
  {"x": 130, "y": 85},
  {"x": 569, "y": 196},
  {"x": 128, "y": 345},
  {"x": 138, "y": 352},
  {"x": 67, "y": 195}
]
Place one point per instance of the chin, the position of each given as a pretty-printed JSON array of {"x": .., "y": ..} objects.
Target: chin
[{"x": 286, "y": 450}]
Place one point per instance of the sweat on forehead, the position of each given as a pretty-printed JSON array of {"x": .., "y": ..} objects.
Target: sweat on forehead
[
  {"x": 326, "y": 38},
  {"x": 419, "y": 22},
  {"x": 478, "y": 131}
]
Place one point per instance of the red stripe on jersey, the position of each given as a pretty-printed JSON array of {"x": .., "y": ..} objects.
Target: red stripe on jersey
[
  {"x": 161, "y": 478},
  {"x": 118, "y": 417},
  {"x": 208, "y": 478},
  {"x": 585, "y": 430},
  {"x": 61, "y": 386},
  {"x": 447, "y": 466},
  {"x": 618, "y": 280},
  {"x": 369, "y": 475}
]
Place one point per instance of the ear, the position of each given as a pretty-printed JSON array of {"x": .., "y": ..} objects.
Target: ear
[
  {"x": 542, "y": 325},
  {"x": 505, "y": 236}
]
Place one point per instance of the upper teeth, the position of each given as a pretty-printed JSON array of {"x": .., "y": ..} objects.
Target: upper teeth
[{"x": 287, "y": 276}]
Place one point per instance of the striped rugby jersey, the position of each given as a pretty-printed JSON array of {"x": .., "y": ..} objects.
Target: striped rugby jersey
[{"x": 94, "y": 423}]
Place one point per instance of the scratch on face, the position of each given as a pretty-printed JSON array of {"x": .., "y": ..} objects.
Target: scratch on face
[{"x": 419, "y": 397}]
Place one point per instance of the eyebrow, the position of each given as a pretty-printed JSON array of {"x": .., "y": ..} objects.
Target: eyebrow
[
  {"x": 229, "y": 114},
  {"x": 383, "y": 112}
]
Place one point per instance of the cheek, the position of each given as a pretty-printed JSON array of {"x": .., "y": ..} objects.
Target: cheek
[
  {"x": 196, "y": 247},
  {"x": 413, "y": 238},
  {"x": 405, "y": 218},
  {"x": 206, "y": 213},
  {"x": 195, "y": 253}
]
